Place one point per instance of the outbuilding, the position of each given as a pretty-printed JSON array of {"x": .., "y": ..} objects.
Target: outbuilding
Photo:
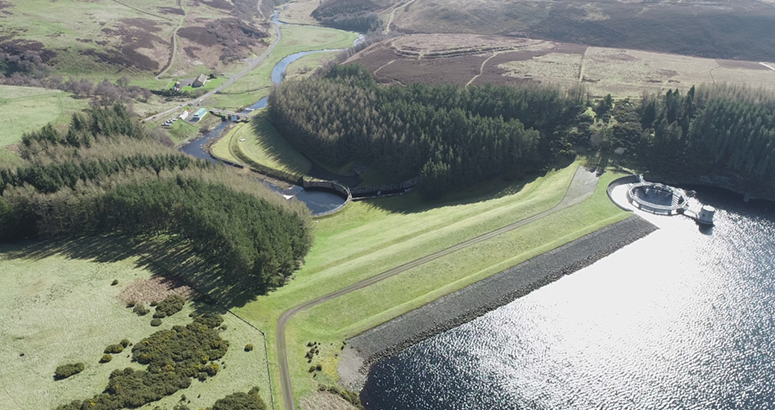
[
  {"x": 200, "y": 81},
  {"x": 199, "y": 114}
]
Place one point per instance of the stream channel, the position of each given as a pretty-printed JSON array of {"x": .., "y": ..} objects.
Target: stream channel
[{"x": 318, "y": 201}]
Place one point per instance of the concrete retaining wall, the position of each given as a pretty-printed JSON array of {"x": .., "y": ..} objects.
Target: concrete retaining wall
[
  {"x": 630, "y": 179},
  {"x": 332, "y": 186}
]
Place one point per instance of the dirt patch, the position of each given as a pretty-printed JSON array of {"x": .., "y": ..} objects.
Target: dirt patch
[
  {"x": 153, "y": 290},
  {"x": 5, "y": 5},
  {"x": 748, "y": 65},
  {"x": 324, "y": 401},
  {"x": 191, "y": 51},
  {"x": 84, "y": 40},
  {"x": 171, "y": 10}
]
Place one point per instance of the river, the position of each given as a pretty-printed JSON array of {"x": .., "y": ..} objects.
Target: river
[
  {"x": 684, "y": 318},
  {"x": 318, "y": 201}
]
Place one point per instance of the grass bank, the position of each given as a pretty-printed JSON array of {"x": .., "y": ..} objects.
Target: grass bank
[
  {"x": 24, "y": 109},
  {"x": 263, "y": 144},
  {"x": 256, "y": 84},
  {"x": 351, "y": 314},
  {"x": 58, "y": 308},
  {"x": 368, "y": 238}
]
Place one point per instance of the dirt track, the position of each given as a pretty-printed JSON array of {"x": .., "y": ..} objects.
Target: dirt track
[
  {"x": 230, "y": 81},
  {"x": 581, "y": 187}
]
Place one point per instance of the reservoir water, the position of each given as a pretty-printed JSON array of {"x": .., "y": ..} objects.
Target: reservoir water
[{"x": 683, "y": 318}]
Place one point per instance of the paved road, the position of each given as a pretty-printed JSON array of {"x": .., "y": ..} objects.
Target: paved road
[
  {"x": 253, "y": 63},
  {"x": 581, "y": 187}
]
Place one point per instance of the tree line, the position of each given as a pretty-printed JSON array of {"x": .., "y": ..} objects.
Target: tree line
[
  {"x": 455, "y": 136},
  {"x": 448, "y": 134},
  {"x": 107, "y": 173},
  {"x": 724, "y": 134}
]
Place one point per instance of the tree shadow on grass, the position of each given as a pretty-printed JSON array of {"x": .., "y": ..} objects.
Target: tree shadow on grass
[
  {"x": 281, "y": 150},
  {"x": 167, "y": 257},
  {"x": 499, "y": 187}
]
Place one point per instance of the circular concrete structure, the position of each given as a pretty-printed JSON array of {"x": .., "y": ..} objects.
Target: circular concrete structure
[{"x": 657, "y": 198}]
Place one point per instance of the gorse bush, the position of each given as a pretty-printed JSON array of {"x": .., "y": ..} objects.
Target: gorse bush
[
  {"x": 173, "y": 357},
  {"x": 140, "y": 309},
  {"x": 241, "y": 401},
  {"x": 67, "y": 370},
  {"x": 114, "y": 349},
  {"x": 169, "y": 306}
]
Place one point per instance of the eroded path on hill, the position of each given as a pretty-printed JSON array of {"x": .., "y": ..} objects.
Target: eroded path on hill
[{"x": 581, "y": 187}]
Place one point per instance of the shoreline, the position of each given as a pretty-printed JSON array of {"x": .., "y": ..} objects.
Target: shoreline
[{"x": 482, "y": 297}]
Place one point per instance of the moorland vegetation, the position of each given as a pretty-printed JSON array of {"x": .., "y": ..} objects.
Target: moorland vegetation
[{"x": 108, "y": 173}]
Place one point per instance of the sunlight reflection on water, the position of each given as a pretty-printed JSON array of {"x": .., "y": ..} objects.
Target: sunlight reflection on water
[{"x": 679, "y": 319}]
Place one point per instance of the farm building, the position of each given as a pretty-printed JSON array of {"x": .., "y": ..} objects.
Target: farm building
[
  {"x": 185, "y": 114},
  {"x": 200, "y": 81},
  {"x": 199, "y": 114}
]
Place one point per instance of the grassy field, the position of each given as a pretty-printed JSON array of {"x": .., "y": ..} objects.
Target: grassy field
[
  {"x": 306, "y": 66},
  {"x": 255, "y": 85},
  {"x": 264, "y": 145},
  {"x": 371, "y": 237},
  {"x": 25, "y": 109},
  {"x": 58, "y": 309},
  {"x": 300, "y": 12}
]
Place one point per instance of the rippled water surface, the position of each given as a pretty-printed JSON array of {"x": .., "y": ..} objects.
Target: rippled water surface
[{"x": 684, "y": 318}]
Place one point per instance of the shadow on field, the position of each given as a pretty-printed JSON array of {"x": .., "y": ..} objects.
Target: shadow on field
[
  {"x": 169, "y": 257},
  {"x": 484, "y": 191}
]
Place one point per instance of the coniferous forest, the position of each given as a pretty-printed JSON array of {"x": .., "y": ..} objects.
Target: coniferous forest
[
  {"x": 449, "y": 135},
  {"x": 107, "y": 173},
  {"x": 455, "y": 136}
]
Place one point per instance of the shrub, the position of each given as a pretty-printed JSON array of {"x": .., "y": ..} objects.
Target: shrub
[
  {"x": 114, "y": 283},
  {"x": 311, "y": 369},
  {"x": 248, "y": 347},
  {"x": 156, "y": 322},
  {"x": 125, "y": 342},
  {"x": 106, "y": 358},
  {"x": 140, "y": 309},
  {"x": 67, "y": 370},
  {"x": 131, "y": 304},
  {"x": 173, "y": 357},
  {"x": 114, "y": 349},
  {"x": 241, "y": 401},
  {"x": 169, "y": 306}
]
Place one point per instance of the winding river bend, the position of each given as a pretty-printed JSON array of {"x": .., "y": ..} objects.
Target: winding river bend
[
  {"x": 680, "y": 319},
  {"x": 318, "y": 201}
]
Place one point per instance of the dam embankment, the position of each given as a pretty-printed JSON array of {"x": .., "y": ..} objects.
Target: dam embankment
[{"x": 477, "y": 299}]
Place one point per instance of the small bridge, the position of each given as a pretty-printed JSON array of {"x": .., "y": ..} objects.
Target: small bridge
[{"x": 234, "y": 116}]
